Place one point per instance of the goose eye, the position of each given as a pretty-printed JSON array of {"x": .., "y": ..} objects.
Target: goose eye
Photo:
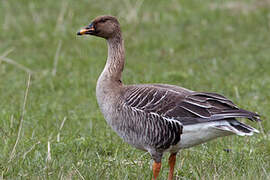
[{"x": 103, "y": 20}]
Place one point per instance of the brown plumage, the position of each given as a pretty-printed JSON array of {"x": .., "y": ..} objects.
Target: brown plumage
[{"x": 159, "y": 117}]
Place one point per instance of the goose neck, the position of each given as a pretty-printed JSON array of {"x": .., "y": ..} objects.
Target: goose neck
[{"x": 116, "y": 58}]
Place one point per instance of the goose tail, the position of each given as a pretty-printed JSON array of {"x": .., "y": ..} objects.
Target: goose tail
[{"x": 238, "y": 128}]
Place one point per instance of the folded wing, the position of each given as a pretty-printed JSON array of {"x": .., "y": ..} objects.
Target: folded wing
[{"x": 183, "y": 105}]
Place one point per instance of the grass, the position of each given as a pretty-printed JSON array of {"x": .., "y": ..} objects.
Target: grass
[{"x": 218, "y": 46}]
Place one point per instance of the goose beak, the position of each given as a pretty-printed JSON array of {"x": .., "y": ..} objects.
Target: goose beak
[{"x": 87, "y": 30}]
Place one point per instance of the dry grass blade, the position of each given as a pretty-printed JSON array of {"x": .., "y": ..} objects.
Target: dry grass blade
[
  {"x": 24, "y": 155},
  {"x": 59, "y": 24},
  {"x": 12, "y": 154},
  {"x": 266, "y": 173},
  {"x": 236, "y": 92},
  {"x": 78, "y": 172},
  {"x": 61, "y": 126},
  {"x": 132, "y": 11},
  {"x": 262, "y": 130},
  {"x": 49, "y": 152},
  {"x": 11, "y": 61},
  {"x": 7, "y": 52},
  {"x": 56, "y": 57},
  {"x": 11, "y": 121}
]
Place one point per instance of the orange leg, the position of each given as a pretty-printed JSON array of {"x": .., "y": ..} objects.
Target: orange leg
[
  {"x": 172, "y": 160},
  {"x": 156, "y": 169}
]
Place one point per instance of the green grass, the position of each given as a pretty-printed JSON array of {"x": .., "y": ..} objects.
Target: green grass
[{"x": 217, "y": 46}]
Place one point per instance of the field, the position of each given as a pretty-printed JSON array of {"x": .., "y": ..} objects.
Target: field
[{"x": 50, "y": 124}]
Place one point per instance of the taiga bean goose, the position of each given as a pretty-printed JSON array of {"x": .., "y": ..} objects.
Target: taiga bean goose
[{"x": 159, "y": 118}]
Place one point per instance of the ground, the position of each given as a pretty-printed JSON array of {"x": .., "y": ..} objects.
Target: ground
[{"x": 217, "y": 46}]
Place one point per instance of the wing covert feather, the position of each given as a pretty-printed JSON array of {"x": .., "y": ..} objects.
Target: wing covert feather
[{"x": 183, "y": 105}]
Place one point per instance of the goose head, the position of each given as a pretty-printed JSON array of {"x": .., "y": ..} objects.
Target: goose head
[{"x": 102, "y": 26}]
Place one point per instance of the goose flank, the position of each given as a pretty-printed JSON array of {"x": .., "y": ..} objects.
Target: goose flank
[{"x": 159, "y": 118}]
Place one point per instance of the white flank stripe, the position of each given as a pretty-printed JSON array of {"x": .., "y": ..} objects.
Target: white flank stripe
[
  {"x": 138, "y": 95},
  {"x": 146, "y": 96},
  {"x": 133, "y": 95},
  {"x": 150, "y": 102},
  {"x": 193, "y": 103},
  {"x": 134, "y": 109},
  {"x": 161, "y": 98},
  {"x": 194, "y": 112},
  {"x": 167, "y": 119}
]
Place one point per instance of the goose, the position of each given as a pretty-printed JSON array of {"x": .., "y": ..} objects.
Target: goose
[{"x": 159, "y": 118}]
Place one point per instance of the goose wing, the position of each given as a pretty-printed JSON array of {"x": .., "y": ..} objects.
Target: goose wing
[{"x": 185, "y": 106}]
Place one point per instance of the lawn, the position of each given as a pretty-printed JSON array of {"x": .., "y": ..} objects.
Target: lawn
[{"x": 50, "y": 123}]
